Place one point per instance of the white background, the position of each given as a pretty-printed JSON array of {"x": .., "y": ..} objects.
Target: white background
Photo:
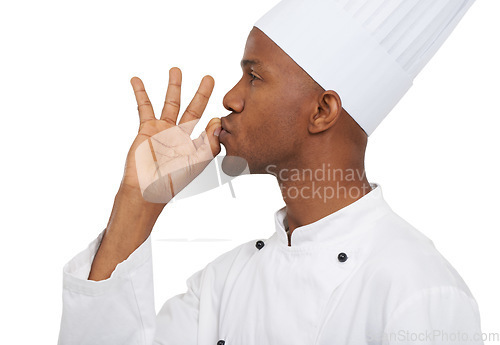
[{"x": 68, "y": 117}]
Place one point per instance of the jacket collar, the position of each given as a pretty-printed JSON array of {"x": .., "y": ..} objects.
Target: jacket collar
[{"x": 338, "y": 226}]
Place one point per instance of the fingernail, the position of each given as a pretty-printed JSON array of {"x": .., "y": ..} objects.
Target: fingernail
[{"x": 217, "y": 131}]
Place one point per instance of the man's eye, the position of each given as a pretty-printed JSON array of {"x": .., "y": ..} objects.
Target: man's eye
[{"x": 252, "y": 77}]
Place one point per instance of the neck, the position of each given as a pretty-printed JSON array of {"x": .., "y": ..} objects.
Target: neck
[{"x": 313, "y": 193}]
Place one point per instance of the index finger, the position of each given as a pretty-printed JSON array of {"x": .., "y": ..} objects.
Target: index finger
[{"x": 144, "y": 106}]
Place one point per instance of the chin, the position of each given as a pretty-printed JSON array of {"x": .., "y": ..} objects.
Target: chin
[{"x": 233, "y": 165}]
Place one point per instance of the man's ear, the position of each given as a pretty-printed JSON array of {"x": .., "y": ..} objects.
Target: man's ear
[{"x": 329, "y": 108}]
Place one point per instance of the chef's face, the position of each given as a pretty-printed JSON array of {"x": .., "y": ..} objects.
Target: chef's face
[{"x": 270, "y": 107}]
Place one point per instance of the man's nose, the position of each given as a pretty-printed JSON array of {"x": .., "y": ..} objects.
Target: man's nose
[{"x": 233, "y": 100}]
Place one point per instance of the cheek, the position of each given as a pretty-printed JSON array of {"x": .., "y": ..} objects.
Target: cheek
[
  {"x": 273, "y": 136},
  {"x": 270, "y": 124},
  {"x": 263, "y": 122}
]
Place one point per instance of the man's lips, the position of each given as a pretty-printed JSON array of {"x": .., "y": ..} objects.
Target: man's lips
[
  {"x": 223, "y": 134},
  {"x": 224, "y": 125},
  {"x": 225, "y": 130}
]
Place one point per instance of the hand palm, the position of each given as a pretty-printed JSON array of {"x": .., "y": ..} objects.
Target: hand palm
[{"x": 176, "y": 152}]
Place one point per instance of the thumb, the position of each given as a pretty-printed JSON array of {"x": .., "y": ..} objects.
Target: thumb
[{"x": 214, "y": 125}]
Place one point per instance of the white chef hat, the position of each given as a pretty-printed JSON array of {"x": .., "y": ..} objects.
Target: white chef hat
[{"x": 371, "y": 50}]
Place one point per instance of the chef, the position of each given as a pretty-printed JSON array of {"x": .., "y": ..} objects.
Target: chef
[{"x": 341, "y": 267}]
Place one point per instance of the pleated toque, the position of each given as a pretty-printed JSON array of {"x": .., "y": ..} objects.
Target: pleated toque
[{"x": 368, "y": 51}]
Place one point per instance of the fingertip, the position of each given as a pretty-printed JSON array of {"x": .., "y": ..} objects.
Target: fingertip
[
  {"x": 210, "y": 78},
  {"x": 213, "y": 128},
  {"x": 213, "y": 139},
  {"x": 174, "y": 70},
  {"x": 217, "y": 131},
  {"x": 213, "y": 121},
  {"x": 135, "y": 80}
]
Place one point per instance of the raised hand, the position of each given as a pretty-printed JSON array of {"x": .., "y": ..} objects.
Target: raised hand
[{"x": 163, "y": 159}]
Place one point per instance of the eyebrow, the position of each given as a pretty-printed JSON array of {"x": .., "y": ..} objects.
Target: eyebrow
[{"x": 245, "y": 63}]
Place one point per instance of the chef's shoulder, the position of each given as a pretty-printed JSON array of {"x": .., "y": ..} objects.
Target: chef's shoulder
[
  {"x": 407, "y": 260},
  {"x": 214, "y": 275},
  {"x": 415, "y": 288}
]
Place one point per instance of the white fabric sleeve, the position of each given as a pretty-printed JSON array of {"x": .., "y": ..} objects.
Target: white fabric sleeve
[
  {"x": 118, "y": 310},
  {"x": 178, "y": 320},
  {"x": 440, "y": 315}
]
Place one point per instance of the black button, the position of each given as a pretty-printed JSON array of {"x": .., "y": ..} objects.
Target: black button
[
  {"x": 259, "y": 245},
  {"x": 221, "y": 342},
  {"x": 342, "y": 257}
]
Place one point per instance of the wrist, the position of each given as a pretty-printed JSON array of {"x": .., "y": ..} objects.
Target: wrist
[
  {"x": 132, "y": 195},
  {"x": 132, "y": 218}
]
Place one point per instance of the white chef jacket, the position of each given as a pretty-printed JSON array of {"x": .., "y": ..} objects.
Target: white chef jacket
[{"x": 361, "y": 275}]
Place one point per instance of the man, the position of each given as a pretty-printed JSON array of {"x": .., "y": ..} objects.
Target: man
[{"x": 342, "y": 267}]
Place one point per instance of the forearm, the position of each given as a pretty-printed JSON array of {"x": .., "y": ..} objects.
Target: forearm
[{"x": 131, "y": 222}]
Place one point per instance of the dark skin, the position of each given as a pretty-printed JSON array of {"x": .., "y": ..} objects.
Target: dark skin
[
  {"x": 284, "y": 123},
  {"x": 281, "y": 120}
]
